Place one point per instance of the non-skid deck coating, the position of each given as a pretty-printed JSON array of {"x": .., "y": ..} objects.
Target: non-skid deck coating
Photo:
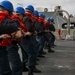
[{"x": 62, "y": 62}]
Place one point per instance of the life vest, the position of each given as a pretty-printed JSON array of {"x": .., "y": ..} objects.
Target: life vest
[
  {"x": 41, "y": 22},
  {"x": 51, "y": 23},
  {"x": 30, "y": 16},
  {"x": 4, "y": 15},
  {"x": 45, "y": 25},
  {"x": 4, "y": 42},
  {"x": 20, "y": 22},
  {"x": 22, "y": 26},
  {"x": 36, "y": 18}
]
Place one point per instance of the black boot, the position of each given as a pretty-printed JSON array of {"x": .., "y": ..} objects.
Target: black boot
[
  {"x": 30, "y": 71},
  {"x": 37, "y": 59},
  {"x": 50, "y": 50},
  {"x": 41, "y": 56},
  {"x": 53, "y": 45},
  {"x": 35, "y": 70},
  {"x": 25, "y": 69},
  {"x": 43, "y": 52}
]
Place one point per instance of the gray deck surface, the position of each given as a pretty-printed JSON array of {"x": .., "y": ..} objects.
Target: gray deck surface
[{"x": 62, "y": 62}]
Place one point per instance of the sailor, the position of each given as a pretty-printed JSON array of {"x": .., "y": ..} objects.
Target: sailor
[
  {"x": 49, "y": 35},
  {"x": 52, "y": 28},
  {"x": 27, "y": 42},
  {"x": 13, "y": 54},
  {"x": 6, "y": 9},
  {"x": 40, "y": 37}
]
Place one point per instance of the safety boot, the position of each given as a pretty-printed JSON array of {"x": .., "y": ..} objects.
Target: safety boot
[
  {"x": 50, "y": 50},
  {"x": 30, "y": 71}
]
